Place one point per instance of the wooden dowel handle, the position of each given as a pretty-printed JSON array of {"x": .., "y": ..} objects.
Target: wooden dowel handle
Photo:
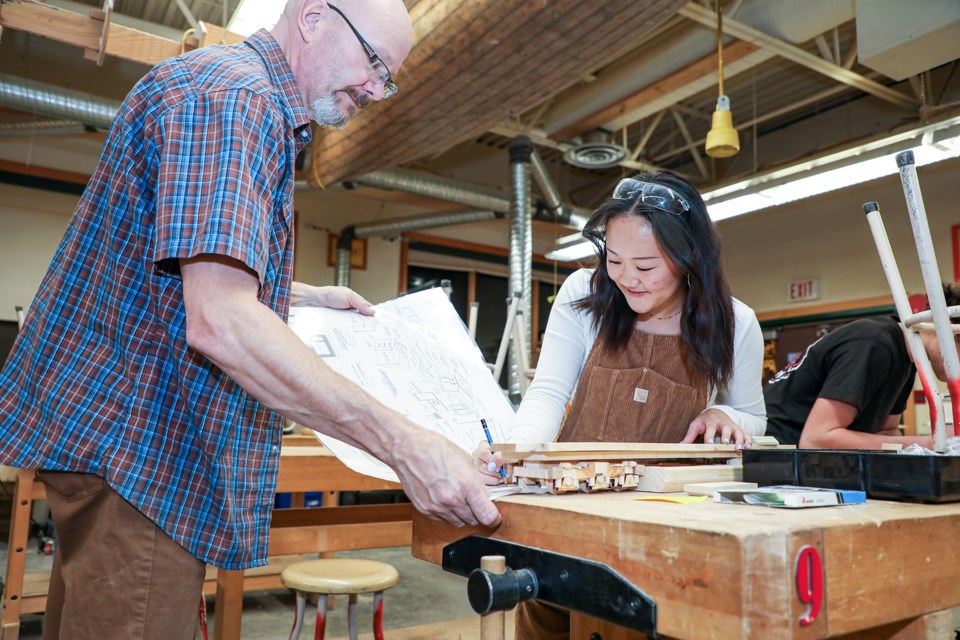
[{"x": 493, "y": 624}]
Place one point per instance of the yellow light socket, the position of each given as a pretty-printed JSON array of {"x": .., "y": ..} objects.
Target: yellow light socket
[{"x": 722, "y": 139}]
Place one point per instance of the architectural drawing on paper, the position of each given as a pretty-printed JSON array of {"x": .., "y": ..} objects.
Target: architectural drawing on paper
[
  {"x": 415, "y": 356},
  {"x": 322, "y": 346}
]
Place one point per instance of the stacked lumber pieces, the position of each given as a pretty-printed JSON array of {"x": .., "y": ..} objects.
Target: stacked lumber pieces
[
  {"x": 562, "y": 467},
  {"x": 561, "y": 477}
]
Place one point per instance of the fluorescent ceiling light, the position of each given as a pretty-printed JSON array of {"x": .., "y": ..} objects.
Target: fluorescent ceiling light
[
  {"x": 255, "y": 14},
  {"x": 863, "y": 163},
  {"x": 869, "y": 161},
  {"x": 931, "y": 143},
  {"x": 571, "y": 249}
]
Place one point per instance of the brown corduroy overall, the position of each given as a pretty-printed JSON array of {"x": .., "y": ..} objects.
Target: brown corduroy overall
[{"x": 644, "y": 392}]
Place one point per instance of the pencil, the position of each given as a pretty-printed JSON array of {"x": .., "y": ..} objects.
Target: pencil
[{"x": 486, "y": 432}]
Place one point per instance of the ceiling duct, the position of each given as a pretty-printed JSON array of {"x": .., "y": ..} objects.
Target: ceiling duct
[
  {"x": 56, "y": 102},
  {"x": 595, "y": 150},
  {"x": 25, "y": 127},
  {"x": 901, "y": 39},
  {"x": 396, "y": 226},
  {"x": 436, "y": 187}
]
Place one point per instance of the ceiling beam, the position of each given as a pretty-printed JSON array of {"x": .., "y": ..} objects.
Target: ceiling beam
[
  {"x": 51, "y": 22},
  {"x": 191, "y": 19},
  {"x": 84, "y": 31},
  {"x": 694, "y": 151},
  {"x": 128, "y": 21},
  {"x": 693, "y": 113},
  {"x": 647, "y": 135},
  {"x": 776, "y": 113},
  {"x": 851, "y": 56},
  {"x": 483, "y": 62},
  {"x": 796, "y": 54},
  {"x": 825, "y": 51},
  {"x": 663, "y": 93}
]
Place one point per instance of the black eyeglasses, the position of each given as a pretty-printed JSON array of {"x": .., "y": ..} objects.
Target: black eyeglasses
[
  {"x": 383, "y": 73},
  {"x": 657, "y": 196}
]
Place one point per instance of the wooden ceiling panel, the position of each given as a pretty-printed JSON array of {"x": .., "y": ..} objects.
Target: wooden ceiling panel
[{"x": 478, "y": 62}]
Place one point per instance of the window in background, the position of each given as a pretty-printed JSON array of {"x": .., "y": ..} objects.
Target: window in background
[
  {"x": 490, "y": 292},
  {"x": 8, "y": 333},
  {"x": 545, "y": 291},
  {"x": 420, "y": 278}
]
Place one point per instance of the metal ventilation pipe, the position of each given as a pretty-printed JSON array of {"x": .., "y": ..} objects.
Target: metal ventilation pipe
[
  {"x": 341, "y": 272},
  {"x": 470, "y": 195},
  {"x": 304, "y": 185},
  {"x": 435, "y": 187},
  {"x": 551, "y": 196},
  {"x": 395, "y": 226},
  {"x": 426, "y": 221},
  {"x": 57, "y": 102},
  {"x": 564, "y": 214},
  {"x": 521, "y": 249},
  {"x": 28, "y": 127}
]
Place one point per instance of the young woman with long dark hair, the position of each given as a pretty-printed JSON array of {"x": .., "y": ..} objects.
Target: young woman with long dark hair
[{"x": 651, "y": 339}]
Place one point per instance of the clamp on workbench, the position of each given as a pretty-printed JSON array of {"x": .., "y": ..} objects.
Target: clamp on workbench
[{"x": 585, "y": 586}]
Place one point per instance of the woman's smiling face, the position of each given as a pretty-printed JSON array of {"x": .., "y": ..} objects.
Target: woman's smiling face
[{"x": 646, "y": 277}]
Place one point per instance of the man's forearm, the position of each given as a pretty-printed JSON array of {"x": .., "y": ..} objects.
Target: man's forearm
[
  {"x": 271, "y": 363},
  {"x": 252, "y": 345}
]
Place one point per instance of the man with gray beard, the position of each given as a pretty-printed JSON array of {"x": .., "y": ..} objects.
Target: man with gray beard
[{"x": 151, "y": 377}]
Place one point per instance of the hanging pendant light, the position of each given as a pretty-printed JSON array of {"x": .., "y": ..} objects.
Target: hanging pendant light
[{"x": 722, "y": 139}]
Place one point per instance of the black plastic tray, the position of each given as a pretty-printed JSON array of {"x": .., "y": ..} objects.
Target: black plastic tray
[
  {"x": 883, "y": 475},
  {"x": 913, "y": 478},
  {"x": 831, "y": 469},
  {"x": 770, "y": 466}
]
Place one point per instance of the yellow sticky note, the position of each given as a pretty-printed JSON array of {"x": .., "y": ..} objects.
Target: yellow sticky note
[{"x": 674, "y": 499}]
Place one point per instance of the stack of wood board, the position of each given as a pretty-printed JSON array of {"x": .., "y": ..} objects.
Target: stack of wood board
[{"x": 561, "y": 467}]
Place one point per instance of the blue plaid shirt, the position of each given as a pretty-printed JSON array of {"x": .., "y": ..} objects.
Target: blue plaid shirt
[{"x": 200, "y": 159}]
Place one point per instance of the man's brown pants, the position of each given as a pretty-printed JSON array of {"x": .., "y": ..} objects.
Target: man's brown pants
[{"x": 115, "y": 573}]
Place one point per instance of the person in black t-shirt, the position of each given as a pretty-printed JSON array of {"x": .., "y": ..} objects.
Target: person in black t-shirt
[{"x": 848, "y": 389}]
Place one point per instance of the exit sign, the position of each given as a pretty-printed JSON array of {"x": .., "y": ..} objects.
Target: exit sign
[{"x": 800, "y": 290}]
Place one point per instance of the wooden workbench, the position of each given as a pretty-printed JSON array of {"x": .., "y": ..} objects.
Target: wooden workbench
[
  {"x": 729, "y": 571},
  {"x": 292, "y": 531}
]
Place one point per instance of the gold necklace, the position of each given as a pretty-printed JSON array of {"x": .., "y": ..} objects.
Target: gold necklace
[{"x": 672, "y": 315}]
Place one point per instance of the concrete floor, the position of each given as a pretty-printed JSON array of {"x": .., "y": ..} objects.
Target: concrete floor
[{"x": 425, "y": 595}]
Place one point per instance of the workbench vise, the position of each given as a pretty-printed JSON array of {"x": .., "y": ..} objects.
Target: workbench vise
[
  {"x": 585, "y": 586},
  {"x": 489, "y": 591}
]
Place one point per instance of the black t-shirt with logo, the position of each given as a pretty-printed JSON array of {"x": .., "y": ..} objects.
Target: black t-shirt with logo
[{"x": 865, "y": 364}]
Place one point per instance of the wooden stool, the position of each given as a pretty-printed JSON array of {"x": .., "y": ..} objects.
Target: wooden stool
[{"x": 328, "y": 576}]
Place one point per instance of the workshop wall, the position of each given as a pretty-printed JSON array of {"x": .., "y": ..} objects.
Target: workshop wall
[
  {"x": 828, "y": 237},
  {"x": 31, "y": 225},
  {"x": 825, "y": 237},
  {"x": 320, "y": 213}
]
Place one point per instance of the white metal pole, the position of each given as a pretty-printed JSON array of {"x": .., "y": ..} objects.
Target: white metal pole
[
  {"x": 472, "y": 320},
  {"x": 507, "y": 333},
  {"x": 931, "y": 279},
  {"x": 900, "y": 301}
]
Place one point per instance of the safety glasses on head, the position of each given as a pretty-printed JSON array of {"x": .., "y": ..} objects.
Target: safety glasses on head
[{"x": 657, "y": 196}]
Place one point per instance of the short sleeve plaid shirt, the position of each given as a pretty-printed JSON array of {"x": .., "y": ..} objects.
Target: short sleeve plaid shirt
[{"x": 200, "y": 159}]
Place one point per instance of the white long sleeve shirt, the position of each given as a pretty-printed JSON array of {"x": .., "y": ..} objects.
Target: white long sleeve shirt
[{"x": 570, "y": 337}]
